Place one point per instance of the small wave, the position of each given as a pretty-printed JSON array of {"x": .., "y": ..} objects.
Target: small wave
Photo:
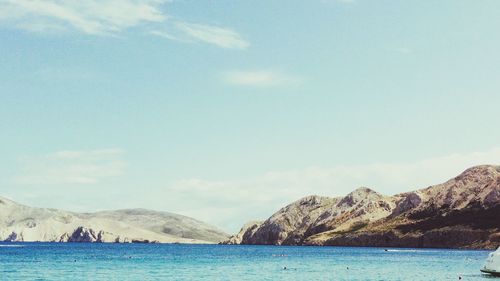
[
  {"x": 11, "y": 246},
  {"x": 407, "y": 251}
]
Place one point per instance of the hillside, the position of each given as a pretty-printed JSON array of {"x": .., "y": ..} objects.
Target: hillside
[
  {"x": 23, "y": 223},
  {"x": 463, "y": 212}
]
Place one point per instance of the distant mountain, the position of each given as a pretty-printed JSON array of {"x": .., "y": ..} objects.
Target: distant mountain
[
  {"x": 463, "y": 212},
  {"x": 22, "y": 223}
]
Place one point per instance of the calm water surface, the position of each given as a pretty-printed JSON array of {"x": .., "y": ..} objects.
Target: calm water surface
[{"x": 68, "y": 261}]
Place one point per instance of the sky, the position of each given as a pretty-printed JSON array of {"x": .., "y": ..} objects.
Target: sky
[{"x": 228, "y": 110}]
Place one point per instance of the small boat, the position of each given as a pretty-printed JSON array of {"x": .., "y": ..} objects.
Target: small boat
[{"x": 492, "y": 265}]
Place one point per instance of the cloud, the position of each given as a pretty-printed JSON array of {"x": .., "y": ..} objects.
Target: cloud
[
  {"x": 72, "y": 167},
  {"x": 96, "y": 17},
  {"x": 388, "y": 178},
  {"x": 109, "y": 18},
  {"x": 219, "y": 36},
  {"x": 231, "y": 203},
  {"x": 260, "y": 78},
  {"x": 169, "y": 36}
]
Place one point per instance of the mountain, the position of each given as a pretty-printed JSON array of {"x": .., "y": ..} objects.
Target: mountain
[
  {"x": 22, "y": 223},
  {"x": 463, "y": 212}
]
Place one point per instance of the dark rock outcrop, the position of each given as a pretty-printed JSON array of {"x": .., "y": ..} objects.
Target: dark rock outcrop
[{"x": 83, "y": 234}]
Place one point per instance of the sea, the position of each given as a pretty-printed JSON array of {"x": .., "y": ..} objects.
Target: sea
[{"x": 87, "y": 261}]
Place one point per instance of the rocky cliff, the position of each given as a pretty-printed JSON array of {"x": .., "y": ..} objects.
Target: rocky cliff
[
  {"x": 463, "y": 212},
  {"x": 245, "y": 232},
  {"x": 22, "y": 223}
]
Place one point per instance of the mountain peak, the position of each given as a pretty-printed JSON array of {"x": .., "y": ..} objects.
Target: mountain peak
[
  {"x": 311, "y": 200},
  {"x": 358, "y": 195},
  {"x": 476, "y": 185},
  {"x": 363, "y": 190},
  {"x": 478, "y": 171}
]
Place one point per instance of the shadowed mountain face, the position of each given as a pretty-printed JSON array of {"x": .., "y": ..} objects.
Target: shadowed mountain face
[
  {"x": 23, "y": 223},
  {"x": 463, "y": 212}
]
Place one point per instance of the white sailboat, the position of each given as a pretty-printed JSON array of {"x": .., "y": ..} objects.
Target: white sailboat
[{"x": 492, "y": 265}]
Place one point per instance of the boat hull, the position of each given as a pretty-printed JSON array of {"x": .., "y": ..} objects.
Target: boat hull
[{"x": 494, "y": 273}]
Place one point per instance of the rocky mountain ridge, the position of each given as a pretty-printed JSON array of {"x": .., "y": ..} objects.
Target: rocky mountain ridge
[{"x": 463, "y": 212}]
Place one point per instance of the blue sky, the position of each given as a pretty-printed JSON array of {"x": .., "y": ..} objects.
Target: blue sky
[{"x": 227, "y": 110}]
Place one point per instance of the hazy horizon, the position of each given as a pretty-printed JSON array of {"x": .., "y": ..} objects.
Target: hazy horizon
[{"x": 226, "y": 111}]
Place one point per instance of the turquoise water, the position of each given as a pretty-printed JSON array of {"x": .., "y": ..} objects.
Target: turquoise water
[{"x": 68, "y": 261}]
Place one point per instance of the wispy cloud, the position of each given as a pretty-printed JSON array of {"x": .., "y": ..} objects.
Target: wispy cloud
[
  {"x": 109, "y": 18},
  {"x": 72, "y": 167},
  {"x": 219, "y": 36},
  {"x": 170, "y": 36},
  {"x": 259, "y": 197},
  {"x": 89, "y": 16},
  {"x": 260, "y": 78}
]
